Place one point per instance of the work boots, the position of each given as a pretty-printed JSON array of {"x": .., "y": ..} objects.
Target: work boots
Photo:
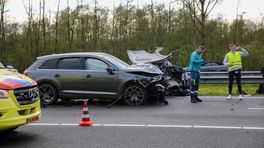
[
  {"x": 198, "y": 99},
  {"x": 193, "y": 99}
]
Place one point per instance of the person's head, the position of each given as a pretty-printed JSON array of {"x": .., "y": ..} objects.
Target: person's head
[
  {"x": 202, "y": 49},
  {"x": 232, "y": 47}
]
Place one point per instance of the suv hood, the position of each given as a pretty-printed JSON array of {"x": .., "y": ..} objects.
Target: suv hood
[
  {"x": 11, "y": 80},
  {"x": 141, "y": 56},
  {"x": 146, "y": 68}
]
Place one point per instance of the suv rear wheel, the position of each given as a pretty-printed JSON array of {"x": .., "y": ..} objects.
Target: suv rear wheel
[
  {"x": 47, "y": 93},
  {"x": 134, "y": 95}
]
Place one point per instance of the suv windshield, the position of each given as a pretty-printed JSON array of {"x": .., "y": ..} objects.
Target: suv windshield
[
  {"x": 1, "y": 66},
  {"x": 119, "y": 63}
]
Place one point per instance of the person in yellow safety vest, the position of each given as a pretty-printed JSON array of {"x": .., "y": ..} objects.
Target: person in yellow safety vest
[{"x": 234, "y": 63}]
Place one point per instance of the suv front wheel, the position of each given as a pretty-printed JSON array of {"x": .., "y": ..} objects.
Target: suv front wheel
[
  {"x": 48, "y": 94},
  {"x": 134, "y": 95}
]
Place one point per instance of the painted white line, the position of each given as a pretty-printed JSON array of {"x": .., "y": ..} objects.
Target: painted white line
[
  {"x": 97, "y": 124},
  {"x": 150, "y": 126},
  {"x": 53, "y": 124},
  {"x": 44, "y": 124},
  {"x": 254, "y": 128},
  {"x": 179, "y": 126},
  {"x": 218, "y": 127},
  {"x": 124, "y": 125},
  {"x": 69, "y": 124},
  {"x": 220, "y": 97},
  {"x": 256, "y": 108}
]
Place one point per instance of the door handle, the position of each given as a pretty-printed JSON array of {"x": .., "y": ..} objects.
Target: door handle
[
  {"x": 88, "y": 76},
  {"x": 56, "y": 75}
]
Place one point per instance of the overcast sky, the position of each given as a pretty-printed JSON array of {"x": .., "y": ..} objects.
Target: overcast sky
[{"x": 253, "y": 9}]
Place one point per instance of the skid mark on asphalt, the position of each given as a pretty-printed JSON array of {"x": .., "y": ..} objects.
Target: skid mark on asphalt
[{"x": 151, "y": 125}]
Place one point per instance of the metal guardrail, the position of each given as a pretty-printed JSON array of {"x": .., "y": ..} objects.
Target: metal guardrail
[{"x": 248, "y": 77}]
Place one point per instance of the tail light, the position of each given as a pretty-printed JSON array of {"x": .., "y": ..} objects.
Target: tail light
[{"x": 25, "y": 73}]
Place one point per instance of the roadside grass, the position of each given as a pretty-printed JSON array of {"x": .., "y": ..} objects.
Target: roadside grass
[{"x": 222, "y": 89}]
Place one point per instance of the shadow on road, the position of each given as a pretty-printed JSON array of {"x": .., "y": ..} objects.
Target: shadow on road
[
  {"x": 15, "y": 138},
  {"x": 102, "y": 103}
]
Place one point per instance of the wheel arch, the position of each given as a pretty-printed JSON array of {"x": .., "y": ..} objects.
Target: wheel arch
[{"x": 129, "y": 83}]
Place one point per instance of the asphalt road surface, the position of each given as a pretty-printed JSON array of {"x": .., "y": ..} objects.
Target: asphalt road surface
[{"x": 214, "y": 123}]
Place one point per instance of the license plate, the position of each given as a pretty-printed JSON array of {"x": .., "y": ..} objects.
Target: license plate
[{"x": 32, "y": 119}]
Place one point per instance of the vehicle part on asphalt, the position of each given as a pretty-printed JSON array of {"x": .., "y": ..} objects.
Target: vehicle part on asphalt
[{"x": 111, "y": 104}]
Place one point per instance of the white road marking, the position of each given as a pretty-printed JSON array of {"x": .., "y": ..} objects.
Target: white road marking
[
  {"x": 255, "y": 128},
  {"x": 180, "y": 126},
  {"x": 150, "y": 126},
  {"x": 244, "y": 97},
  {"x": 256, "y": 108},
  {"x": 69, "y": 124},
  {"x": 124, "y": 125},
  {"x": 218, "y": 127},
  {"x": 53, "y": 124}
]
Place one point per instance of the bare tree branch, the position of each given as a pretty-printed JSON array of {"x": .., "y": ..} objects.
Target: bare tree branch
[
  {"x": 216, "y": 1},
  {"x": 199, "y": 11}
]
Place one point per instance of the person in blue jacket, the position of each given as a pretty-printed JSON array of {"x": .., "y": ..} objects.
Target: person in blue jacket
[{"x": 196, "y": 61}]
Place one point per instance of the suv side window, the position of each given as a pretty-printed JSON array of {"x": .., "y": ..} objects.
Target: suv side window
[
  {"x": 49, "y": 64},
  {"x": 70, "y": 63},
  {"x": 95, "y": 64}
]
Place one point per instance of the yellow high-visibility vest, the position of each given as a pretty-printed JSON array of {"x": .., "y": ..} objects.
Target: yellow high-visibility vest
[{"x": 235, "y": 60}]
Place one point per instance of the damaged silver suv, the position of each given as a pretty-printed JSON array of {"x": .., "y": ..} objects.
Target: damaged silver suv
[{"x": 94, "y": 75}]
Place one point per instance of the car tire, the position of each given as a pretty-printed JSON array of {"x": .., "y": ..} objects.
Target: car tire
[
  {"x": 134, "y": 95},
  {"x": 48, "y": 94}
]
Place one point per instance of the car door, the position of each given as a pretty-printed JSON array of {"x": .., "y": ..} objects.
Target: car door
[
  {"x": 69, "y": 75},
  {"x": 98, "y": 82}
]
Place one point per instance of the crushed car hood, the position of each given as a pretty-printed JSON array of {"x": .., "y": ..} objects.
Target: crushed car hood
[
  {"x": 11, "y": 80},
  {"x": 141, "y": 56},
  {"x": 146, "y": 68}
]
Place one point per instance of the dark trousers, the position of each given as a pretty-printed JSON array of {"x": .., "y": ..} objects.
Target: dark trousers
[
  {"x": 195, "y": 80},
  {"x": 231, "y": 75}
]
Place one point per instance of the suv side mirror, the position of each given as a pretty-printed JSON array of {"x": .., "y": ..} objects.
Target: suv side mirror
[{"x": 110, "y": 70}]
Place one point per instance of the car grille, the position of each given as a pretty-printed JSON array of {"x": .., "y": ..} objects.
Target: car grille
[{"x": 26, "y": 96}]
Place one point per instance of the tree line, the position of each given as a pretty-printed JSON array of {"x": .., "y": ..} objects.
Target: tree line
[{"x": 90, "y": 27}]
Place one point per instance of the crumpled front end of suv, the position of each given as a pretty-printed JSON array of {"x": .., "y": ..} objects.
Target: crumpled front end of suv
[
  {"x": 175, "y": 79},
  {"x": 154, "y": 85},
  {"x": 19, "y": 100},
  {"x": 149, "y": 76}
]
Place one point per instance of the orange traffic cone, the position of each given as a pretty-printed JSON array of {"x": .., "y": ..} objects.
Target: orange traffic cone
[{"x": 86, "y": 121}]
